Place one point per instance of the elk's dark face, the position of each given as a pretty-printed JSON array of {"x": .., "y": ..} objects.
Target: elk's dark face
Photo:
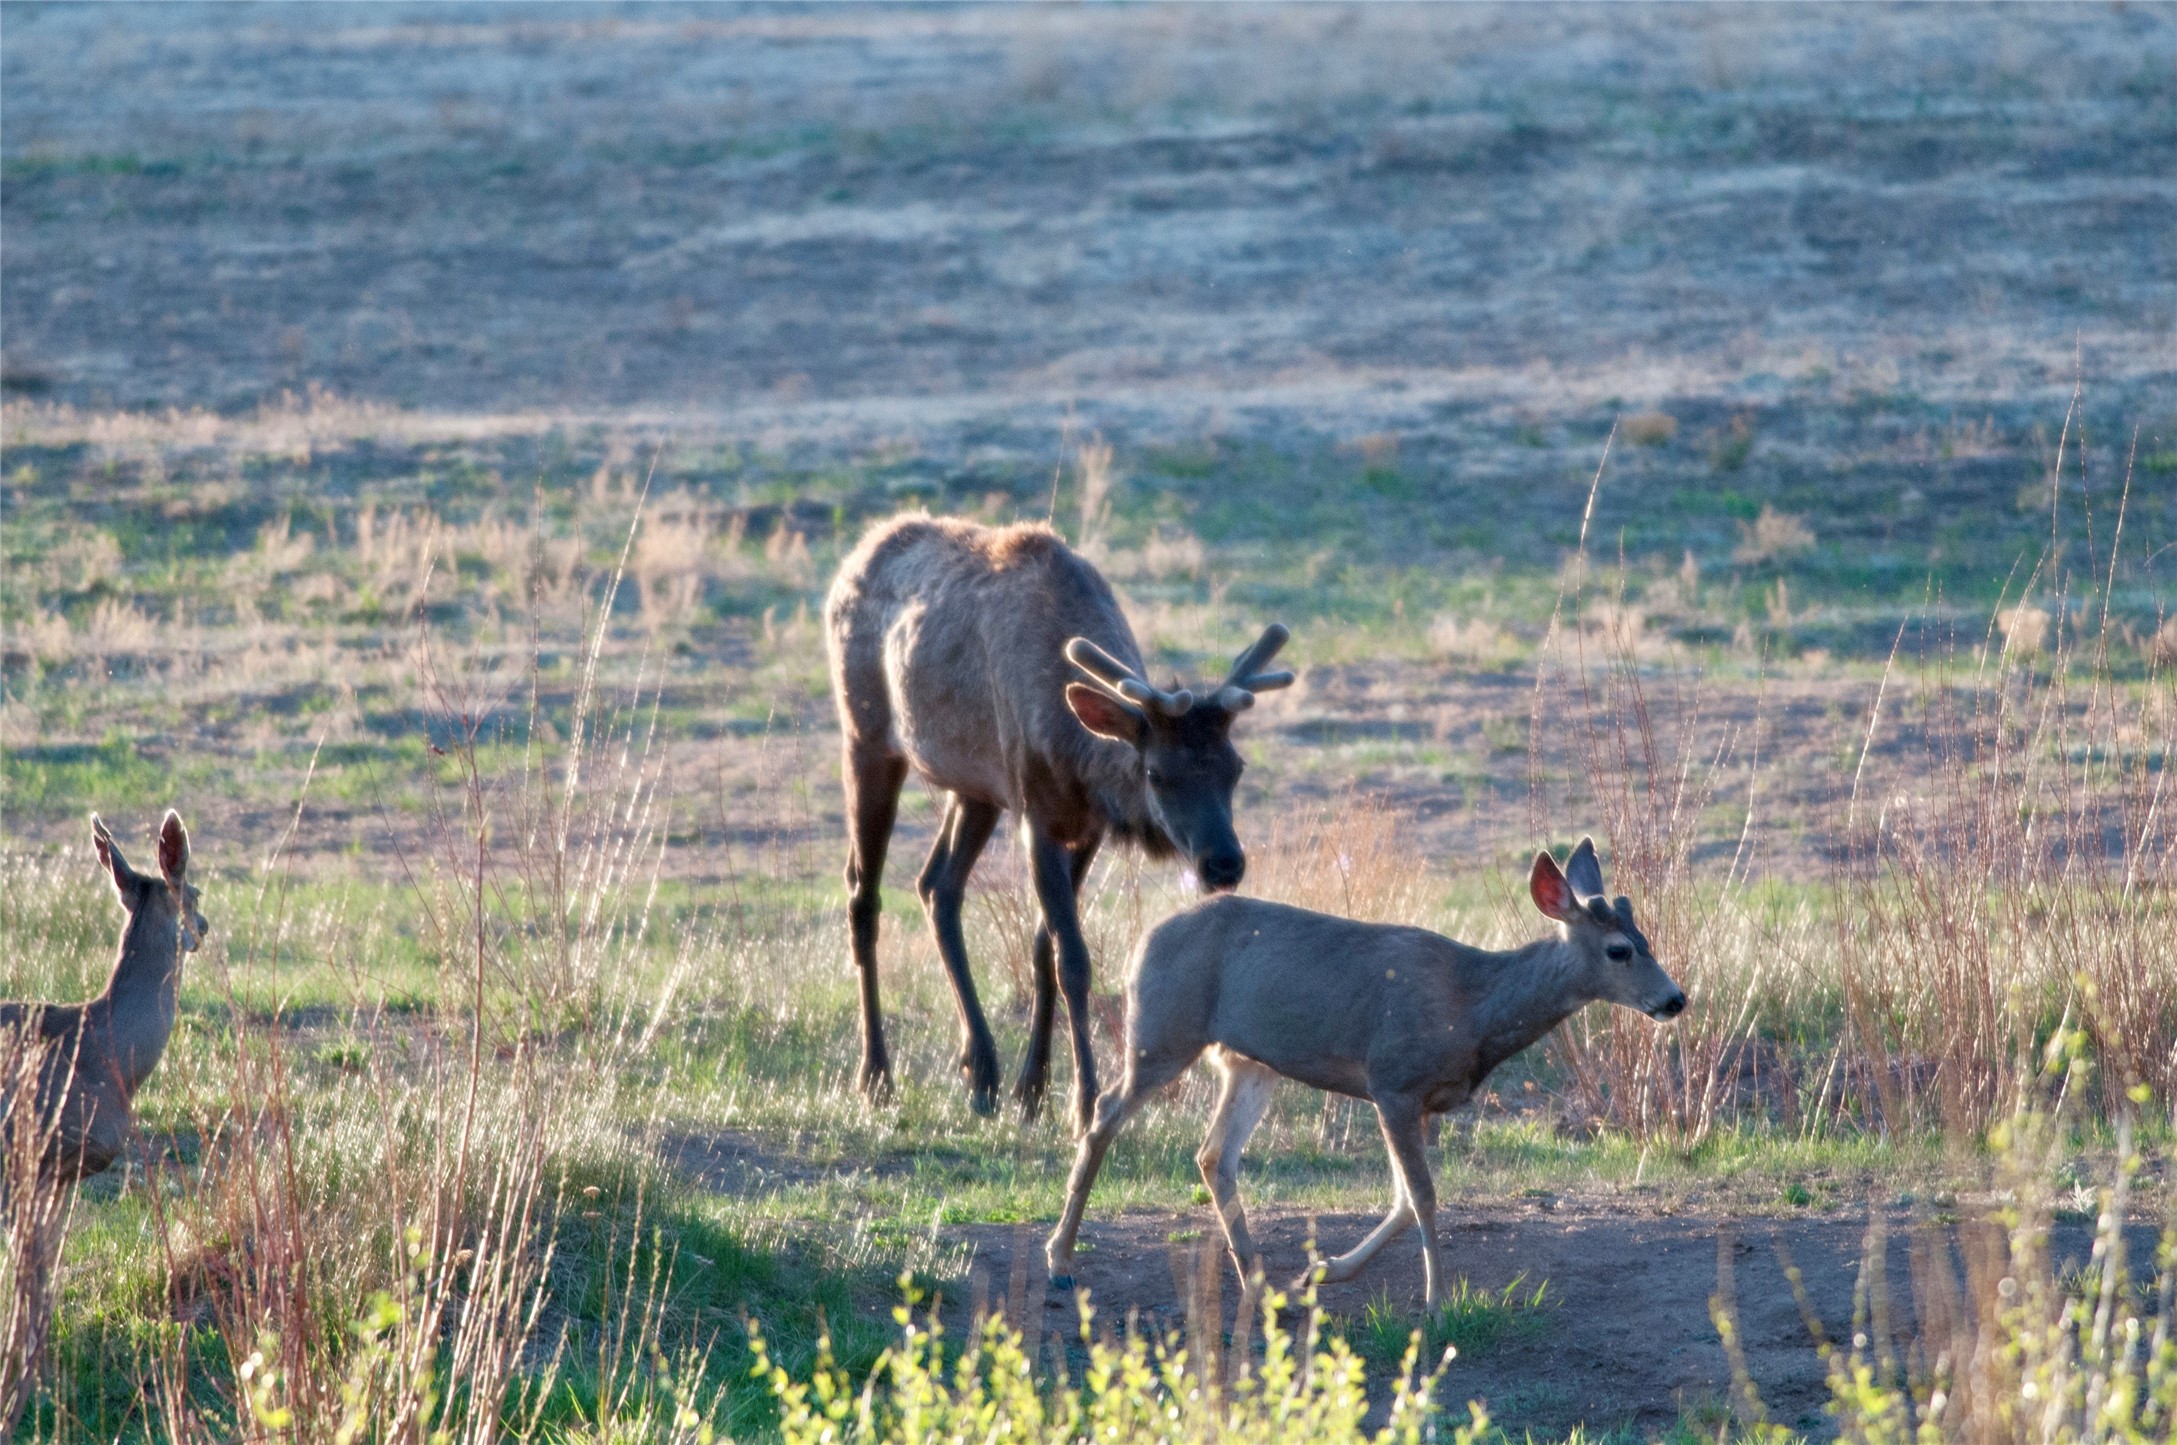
[
  {"x": 1188, "y": 771},
  {"x": 1188, "y": 767}
]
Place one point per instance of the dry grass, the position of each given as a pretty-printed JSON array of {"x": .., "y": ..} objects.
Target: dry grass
[
  {"x": 1474, "y": 640},
  {"x": 35, "y": 1212},
  {"x": 360, "y": 1240},
  {"x": 1772, "y": 536},
  {"x": 1986, "y": 1343},
  {"x": 375, "y": 1260}
]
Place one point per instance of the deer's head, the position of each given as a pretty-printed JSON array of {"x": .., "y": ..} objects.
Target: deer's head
[
  {"x": 1188, "y": 764},
  {"x": 169, "y": 894},
  {"x": 1613, "y": 953}
]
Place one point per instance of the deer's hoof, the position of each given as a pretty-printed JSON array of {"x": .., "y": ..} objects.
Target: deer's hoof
[
  {"x": 1061, "y": 1281},
  {"x": 984, "y": 1101},
  {"x": 876, "y": 1081}
]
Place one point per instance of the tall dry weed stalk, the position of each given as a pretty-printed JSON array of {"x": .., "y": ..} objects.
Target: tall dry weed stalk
[
  {"x": 1093, "y": 469},
  {"x": 1646, "y": 784},
  {"x": 1353, "y": 857},
  {"x": 1990, "y": 1341},
  {"x": 2001, "y": 859},
  {"x": 2019, "y": 874},
  {"x": 2022, "y": 873},
  {"x": 35, "y": 1211},
  {"x": 376, "y": 1264}
]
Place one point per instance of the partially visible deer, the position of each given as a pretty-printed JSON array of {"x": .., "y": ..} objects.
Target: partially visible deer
[
  {"x": 1401, "y": 1017},
  {"x": 94, "y": 1056},
  {"x": 995, "y": 662}
]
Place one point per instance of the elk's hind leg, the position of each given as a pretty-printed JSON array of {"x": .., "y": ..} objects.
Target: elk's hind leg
[
  {"x": 872, "y": 780},
  {"x": 943, "y": 886},
  {"x": 1241, "y": 1104}
]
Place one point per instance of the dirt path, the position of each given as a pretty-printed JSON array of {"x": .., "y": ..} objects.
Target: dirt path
[{"x": 1629, "y": 1342}]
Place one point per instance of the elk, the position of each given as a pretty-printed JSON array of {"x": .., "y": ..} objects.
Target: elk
[
  {"x": 92, "y": 1057},
  {"x": 1406, "y": 1019},
  {"x": 995, "y": 663}
]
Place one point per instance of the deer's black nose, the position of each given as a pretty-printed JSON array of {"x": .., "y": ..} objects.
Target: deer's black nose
[
  {"x": 1672, "y": 1006},
  {"x": 1222, "y": 870}
]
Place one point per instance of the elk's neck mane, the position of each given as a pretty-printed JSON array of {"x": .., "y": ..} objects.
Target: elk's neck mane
[
  {"x": 1133, "y": 825},
  {"x": 1112, "y": 786}
]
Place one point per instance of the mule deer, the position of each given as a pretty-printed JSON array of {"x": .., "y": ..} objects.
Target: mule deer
[
  {"x": 94, "y": 1056},
  {"x": 950, "y": 648},
  {"x": 1401, "y": 1017}
]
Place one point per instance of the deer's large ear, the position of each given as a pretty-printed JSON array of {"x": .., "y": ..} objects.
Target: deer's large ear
[
  {"x": 1551, "y": 893},
  {"x": 109, "y": 854},
  {"x": 173, "y": 847},
  {"x": 1103, "y": 714},
  {"x": 1584, "y": 871}
]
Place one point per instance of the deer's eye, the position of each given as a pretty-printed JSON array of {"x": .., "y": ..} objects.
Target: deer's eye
[
  {"x": 1158, "y": 779},
  {"x": 1619, "y": 952}
]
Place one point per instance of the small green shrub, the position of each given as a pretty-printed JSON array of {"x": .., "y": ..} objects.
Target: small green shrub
[{"x": 1131, "y": 1390}]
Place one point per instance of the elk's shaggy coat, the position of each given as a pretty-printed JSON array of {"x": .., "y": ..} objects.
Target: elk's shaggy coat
[{"x": 958, "y": 652}]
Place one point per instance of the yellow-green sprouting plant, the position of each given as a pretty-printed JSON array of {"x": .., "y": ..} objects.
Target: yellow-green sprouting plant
[{"x": 1134, "y": 1390}]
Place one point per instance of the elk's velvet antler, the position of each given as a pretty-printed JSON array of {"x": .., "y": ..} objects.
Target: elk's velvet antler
[
  {"x": 1122, "y": 682},
  {"x": 1237, "y": 692}
]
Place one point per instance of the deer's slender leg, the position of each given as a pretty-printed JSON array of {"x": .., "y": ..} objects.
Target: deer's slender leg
[
  {"x": 943, "y": 886},
  {"x": 1035, "y": 1069},
  {"x": 872, "y": 781},
  {"x": 1401, "y": 1121},
  {"x": 1241, "y": 1104},
  {"x": 1145, "y": 1073},
  {"x": 1349, "y": 1264},
  {"x": 1052, "y": 866}
]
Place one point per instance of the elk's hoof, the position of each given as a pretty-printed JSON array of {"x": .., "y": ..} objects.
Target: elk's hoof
[
  {"x": 984, "y": 1101},
  {"x": 1061, "y": 1281},
  {"x": 876, "y": 1081}
]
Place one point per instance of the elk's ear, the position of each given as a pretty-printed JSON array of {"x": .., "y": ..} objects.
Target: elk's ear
[
  {"x": 1103, "y": 714},
  {"x": 1551, "y": 893},
  {"x": 109, "y": 855},
  {"x": 173, "y": 847}
]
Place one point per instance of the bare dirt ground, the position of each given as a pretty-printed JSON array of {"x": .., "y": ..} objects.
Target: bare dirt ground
[{"x": 1628, "y": 1341}]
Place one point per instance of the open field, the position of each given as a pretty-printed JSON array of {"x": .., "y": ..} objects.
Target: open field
[{"x": 1749, "y": 435}]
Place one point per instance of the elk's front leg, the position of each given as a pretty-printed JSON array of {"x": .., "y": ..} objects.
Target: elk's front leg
[
  {"x": 943, "y": 887},
  {"x": 1035, "y": 1068},
  {"x": 1053, "y": 869}
]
